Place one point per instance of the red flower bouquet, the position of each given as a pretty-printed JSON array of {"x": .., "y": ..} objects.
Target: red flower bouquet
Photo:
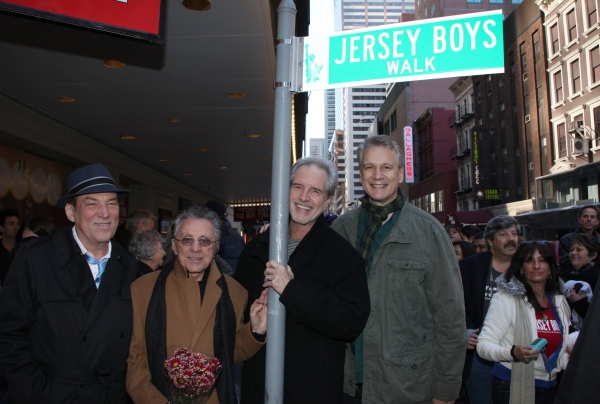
[{"x": 192, "y": 376}]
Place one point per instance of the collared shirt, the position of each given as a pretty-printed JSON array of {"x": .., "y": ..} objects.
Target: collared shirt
[{"x": 84, "y": 251}]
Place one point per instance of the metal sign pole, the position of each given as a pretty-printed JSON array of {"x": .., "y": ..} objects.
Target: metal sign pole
[{"x": 280, "y": 190}]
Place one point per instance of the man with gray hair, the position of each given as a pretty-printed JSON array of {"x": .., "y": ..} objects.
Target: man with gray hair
[
  {"x": 413, "y": 346},
  {"x": 137, "y": 221},
  {"x": 324, "y": 291},
  {"x": 479, "y": 273}
]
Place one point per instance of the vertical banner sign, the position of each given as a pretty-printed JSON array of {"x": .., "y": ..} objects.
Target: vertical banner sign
[
  {"x": 476, "y": 174},
  {"x": 409, "y": 173},
  {"x": 460, "y": 45}
]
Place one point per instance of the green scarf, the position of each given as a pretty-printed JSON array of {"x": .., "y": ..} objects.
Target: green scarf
[{"x": 377, "y": 215}]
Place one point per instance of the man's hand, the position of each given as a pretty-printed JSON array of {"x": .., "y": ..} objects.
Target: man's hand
[
  {"x": 277, "y": 276},
  {"x": 258, "y": 314},
  {"x": 434, "y": 401},
  {"x": 473, "y": 339}
]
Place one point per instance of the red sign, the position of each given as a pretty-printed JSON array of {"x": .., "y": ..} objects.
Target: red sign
[
  {"x": 138, "y": 18},
  {"x": 251, "y": 213},
  {"x": 409, "y": 173}
]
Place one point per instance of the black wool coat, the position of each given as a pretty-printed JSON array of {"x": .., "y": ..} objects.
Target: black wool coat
[
  {"x": 61, "y": 340},
  {"x": 327, "y": 304}
]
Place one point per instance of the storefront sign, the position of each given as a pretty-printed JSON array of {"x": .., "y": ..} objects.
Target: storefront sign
[
  {"x": 490, "y": 194},
  {"x": 251, "y": 213}
]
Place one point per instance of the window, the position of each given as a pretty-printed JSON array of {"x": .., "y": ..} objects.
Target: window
[
  {"x": 439, "y": 197},
  {"x": 575, "y": 77},
  {"x": 500, "y": 82},
  {"x": 496, "y": 1},
  {"x": 432, "y": 10},
  {"x": 393, "y": 121},
  {"x": 592, "y": 17},
  {"x": 594, "y": 58},
  {"x": 554, "y": 38},
  {"x": 502, "y": 106},
  {"x": 571, "y": 25},
  {"x": 562, "y": 141},
  {"x": 558, "y": 93}
]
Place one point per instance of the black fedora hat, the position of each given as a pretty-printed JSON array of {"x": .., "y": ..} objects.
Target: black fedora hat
[{"x": 91, "y": 179}]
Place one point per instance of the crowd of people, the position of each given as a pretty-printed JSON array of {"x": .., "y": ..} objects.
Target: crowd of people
[{"x": 383, "y": 304}]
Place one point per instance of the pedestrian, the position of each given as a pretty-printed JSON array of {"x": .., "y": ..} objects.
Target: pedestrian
[
  {"x": 588, "y": 221},
  {"x": 529, "y": 305},
  {"x": 66, "y": 305},
  {"x": 232, "y": 243},
  {"x": 479, "y": 273},
  {"x": 412, "y": 349},
  {"x": 479, "y": 242},
  {"x": 9, "y": 226},
  {"x": 323, "y": 288}
]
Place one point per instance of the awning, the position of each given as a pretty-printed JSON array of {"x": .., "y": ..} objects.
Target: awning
[{"x": 477, "y": 217}]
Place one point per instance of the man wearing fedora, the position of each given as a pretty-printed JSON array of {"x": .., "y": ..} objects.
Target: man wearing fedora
[{"x": 66, "y": 304}]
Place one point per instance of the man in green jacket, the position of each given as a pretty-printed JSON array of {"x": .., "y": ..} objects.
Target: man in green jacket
[{"x": 413, "y": 347}]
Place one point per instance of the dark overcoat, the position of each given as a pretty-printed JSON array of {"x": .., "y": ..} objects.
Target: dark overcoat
[
  {"x": 475, "y": 272},
  {"x": 61, "y": 340},
  {"x": 327, "y": 305}
]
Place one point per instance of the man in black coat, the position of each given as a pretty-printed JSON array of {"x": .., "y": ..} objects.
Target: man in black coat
[
  {"x": 66, "y": 305},
  {"x": 324, "y": 290}
]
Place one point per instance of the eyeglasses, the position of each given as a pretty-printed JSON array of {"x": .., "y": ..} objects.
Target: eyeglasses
[{"x": 189, "y": 241}]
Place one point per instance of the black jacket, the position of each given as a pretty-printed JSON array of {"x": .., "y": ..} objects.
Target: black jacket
[
  {"x": 579, "y": 384},
  {"x": 61, "y": 340},
  {"x": 475, "y": 273},
  {"x": 327, "y": 305}
]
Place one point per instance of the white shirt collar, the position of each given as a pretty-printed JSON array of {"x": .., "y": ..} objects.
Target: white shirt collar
[{"x": 85, "y": 251}]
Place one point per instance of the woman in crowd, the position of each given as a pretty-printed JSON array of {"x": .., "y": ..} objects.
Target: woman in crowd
[
  {"x": 584, "y": 256},
  {"x": 190, "y": 303},
  {"x": 463, "y": 249},
  {"x": 528, "y": 305},
  {"x": 146, "y": 247}
]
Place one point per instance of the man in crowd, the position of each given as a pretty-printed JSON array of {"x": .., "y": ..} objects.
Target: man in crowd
[
  {"x": 323, "y": 289},
  {"x": 412, "y": 349},
  {"x": 9, "y": 226},
  {"x": 479, "y": 273},
  {"x": 588, "y": 221},
  {"x": 66, "y": 305},
  {"x": 479, "y": 242},
  {"x": 232, "y": 243},
  {"x": 453, "y": 232},
  {"x": 137, "y": 222}
]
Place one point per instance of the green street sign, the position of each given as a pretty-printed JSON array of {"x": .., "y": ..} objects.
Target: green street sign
[{"x": 462, "y": 45}]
